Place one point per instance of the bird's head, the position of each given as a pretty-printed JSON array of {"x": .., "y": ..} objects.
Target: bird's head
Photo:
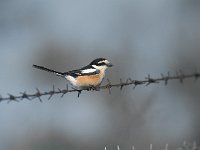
[{"x": 101, "y": 63}]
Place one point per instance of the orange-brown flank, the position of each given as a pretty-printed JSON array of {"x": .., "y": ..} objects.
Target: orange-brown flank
[{"x": 91, "y": 80}]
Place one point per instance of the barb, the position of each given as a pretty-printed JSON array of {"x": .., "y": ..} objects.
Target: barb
[{"x": 180, "y": 76}]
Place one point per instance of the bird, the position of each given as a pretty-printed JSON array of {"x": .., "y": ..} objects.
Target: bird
[{"x": 86, "y": 77}]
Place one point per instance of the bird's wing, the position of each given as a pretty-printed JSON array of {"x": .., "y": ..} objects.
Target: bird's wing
[{"x": 83, "y": 71}]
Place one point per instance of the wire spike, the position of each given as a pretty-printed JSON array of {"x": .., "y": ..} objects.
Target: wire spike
[
  {"x": 40, "y": 99},
  {"x": 166, "y": 80},
  {"x": 129, "y": 79},
  {"x": 79, "y": 92},
  {"x": 109, "y": 90},
  {"x": 64, "y": 91},
  {"x": 53, "y": 88},
  {"x": 151, "y": 146},
  {"x": 59, "y": 90},
  {"x": 166, "y": 147},
  {"x": 62, "y": 95},
  {"x": 38, "y": 94},
  {"x": 194, "y": 145},
  {"x": 50, "y": 96},
  {"x": 150, "y": 80},
  {"x": 67, "y": 88},
  {"x": 118, "y": 147},
  {"x": 108, "y": 86},
  {"x": 196, "y": 76},
  {"x": 126, "y": 81},
  {"x": 168, "y": 74},
  {"x": 12, "y": 98},
  {"x": 121, "y": 84},
  {"x": 184, "y": 143},
  {"x": 133, "y": 147},
  {"x": 162, "y": 76},
  {"x": 24, "y": 95},
  {"x": 1, "y": 98},
  {"x": 37, "y": 90},
  {"x": 51, "y": 93},
  {"x": 134, "y": 86}
]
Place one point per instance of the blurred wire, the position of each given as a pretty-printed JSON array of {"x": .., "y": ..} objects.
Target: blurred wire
[{"x": 185, "y": 146}]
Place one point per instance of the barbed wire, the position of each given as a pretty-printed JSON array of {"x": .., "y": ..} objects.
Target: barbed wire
[{"x": 180, "y": 76}]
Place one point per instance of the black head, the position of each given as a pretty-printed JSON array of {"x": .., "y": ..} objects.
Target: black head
[{"x": 101, "y": 62}]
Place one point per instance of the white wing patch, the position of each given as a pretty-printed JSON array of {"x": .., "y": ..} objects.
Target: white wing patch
[
  {"x": 78, "y": 73},
  {"x": 58, "y": 74},
  {"x": 88, "y": 71}
]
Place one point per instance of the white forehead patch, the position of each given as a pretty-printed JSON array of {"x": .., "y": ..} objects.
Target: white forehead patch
[{"x": 88, "y": 70}]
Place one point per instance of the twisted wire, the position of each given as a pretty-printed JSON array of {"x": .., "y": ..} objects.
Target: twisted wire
[{"x": 180, "y": 76}]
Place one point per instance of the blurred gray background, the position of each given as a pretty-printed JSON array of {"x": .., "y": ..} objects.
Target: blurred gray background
[{"x": 139, "y": 37}]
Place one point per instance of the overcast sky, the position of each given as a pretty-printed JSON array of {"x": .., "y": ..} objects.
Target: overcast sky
[{"x": 138, "y": 37}]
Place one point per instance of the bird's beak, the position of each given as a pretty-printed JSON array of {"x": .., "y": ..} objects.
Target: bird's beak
[{"x": 109, "y": 64}]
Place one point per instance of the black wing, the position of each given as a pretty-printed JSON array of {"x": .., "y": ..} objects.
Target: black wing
[{"x": 76, "y": 73}]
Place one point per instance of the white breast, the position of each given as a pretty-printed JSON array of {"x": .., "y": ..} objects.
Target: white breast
[{"x": 71, "y": 79}]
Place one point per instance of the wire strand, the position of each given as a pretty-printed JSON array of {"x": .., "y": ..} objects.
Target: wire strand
[{"x": 180, "y": 76}]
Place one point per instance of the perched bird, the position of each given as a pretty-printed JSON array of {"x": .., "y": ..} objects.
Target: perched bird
[{"x": 88, "y": 76}]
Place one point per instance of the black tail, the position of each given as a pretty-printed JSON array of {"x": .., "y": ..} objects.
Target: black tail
[{"x": 49, "y": 70}]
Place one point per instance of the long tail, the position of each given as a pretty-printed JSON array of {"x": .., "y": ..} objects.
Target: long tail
[{"x": 49, "y": 70}]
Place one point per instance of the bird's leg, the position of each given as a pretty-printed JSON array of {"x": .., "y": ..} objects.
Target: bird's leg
[{"x": 96, "y": 88}]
